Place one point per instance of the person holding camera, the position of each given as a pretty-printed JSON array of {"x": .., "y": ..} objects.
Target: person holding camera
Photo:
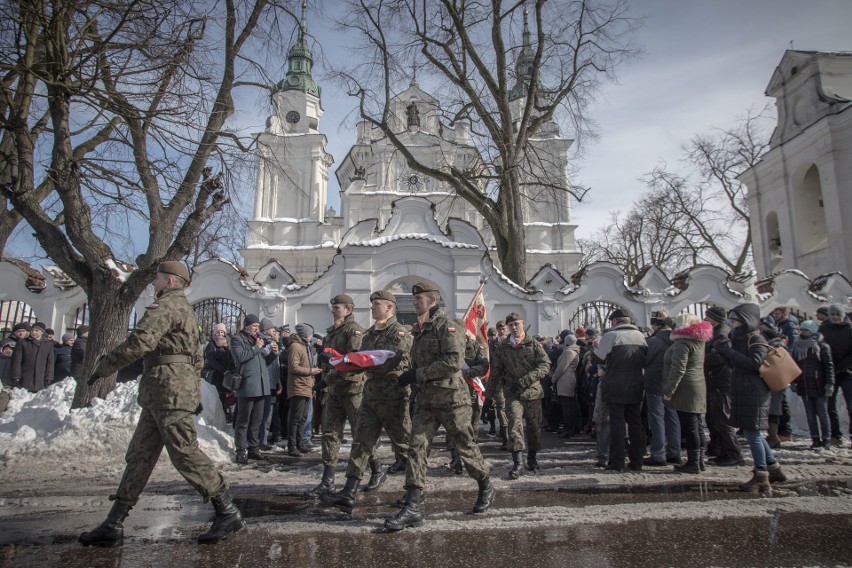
[{"x": 249, "y": 350}]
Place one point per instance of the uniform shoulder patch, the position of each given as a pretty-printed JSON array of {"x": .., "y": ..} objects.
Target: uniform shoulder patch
[
  {"x": 400, "y": 333},
  {"x": 357, "y": 332},
  {"x": 451, "y": 329},
  {"x": 152, "y": 307}
]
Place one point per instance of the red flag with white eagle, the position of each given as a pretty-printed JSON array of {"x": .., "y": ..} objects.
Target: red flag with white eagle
[
  {"x": 358, "y": 360},
  {"x": 476, "y": 323}
]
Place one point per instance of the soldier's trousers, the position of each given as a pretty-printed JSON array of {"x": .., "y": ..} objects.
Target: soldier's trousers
[
  {"x": 520, "y": 411},
  {"x": 392, "y": 415},
  {"x": 174, "y": 430},
  {"x": 336, "y": 411},
  {"x": 500, "y": 408},
  {"x": 425, "y": 424}
]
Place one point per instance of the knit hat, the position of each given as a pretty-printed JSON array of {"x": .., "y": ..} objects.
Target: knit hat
[
  {"x": 82, "y": 329},
  {"x": 768, "y": 321},
  {"x": 304, "y": 330},
  {"x": 836, "y": 310},
  {"x": 220, "y": 327},
  {"x": 67, "y": 337},
  {"x": 266, "y": 323},
  {"x": 591, "y": 333},
  {"x": 22, "y": 325},
  {"x": 716, "y": 314},
  {"x": 822, "y": 310},
  {"x": 569, "y": 340},
  {"x": 39, "y": 325},
  {"x": 250, "y": 319},
  {"x": 810, "y": 326},
  {"x": 580, "y": 332},
  {"x": 565, "y": 333}
]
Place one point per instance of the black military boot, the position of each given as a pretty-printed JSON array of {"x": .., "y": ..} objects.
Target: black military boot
[
  {"x": 401, "y": 501},
  {"x": 345, "y": 498},
  {"x": 110, "y": 532},
  {"x": 326, "y": 484},
  {"x": 410, "y": 516},
  {"x": 377, "y": 476},
  {"x": 532, "y": 462},
  {"x": 455, "y": 464},
  {"x": 486, "y": 496},
  {"x": 517, "y": 469},
  {"x": 504, "y": 434},
  {"x": 227, "y": 520},
  {"x": 399, "y": 465},
  {"x": 241, "y": 457}
]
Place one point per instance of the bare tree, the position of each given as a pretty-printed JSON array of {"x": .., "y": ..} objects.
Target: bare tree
[
  {"x": 118, "y": 109},
  {"x": 510, "y": 90},
  {"x": 700, "y": 216}
]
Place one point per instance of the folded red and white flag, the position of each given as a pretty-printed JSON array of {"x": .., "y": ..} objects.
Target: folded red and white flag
[
  {"x": 477, "y": 385},
  {"x": 358, "y": 360}
]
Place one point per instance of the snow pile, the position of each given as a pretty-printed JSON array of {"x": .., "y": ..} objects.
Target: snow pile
[{"x": 43, "y": 429}]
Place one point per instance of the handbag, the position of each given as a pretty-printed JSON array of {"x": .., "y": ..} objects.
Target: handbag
[
  {"x": 232, "y": 381},
  {"x": 778, "y": 369}
]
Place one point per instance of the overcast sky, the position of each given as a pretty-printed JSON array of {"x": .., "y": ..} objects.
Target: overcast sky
[{"x": 705, "y": 63}]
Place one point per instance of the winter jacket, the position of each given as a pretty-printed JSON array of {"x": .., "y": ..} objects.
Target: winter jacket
[
  {"x": 839, "y": 339},
  {"x": 749, "y": 394},
  {"x": 5, "y": 371},
  {"x": 78, "y": 353},
  {"x": 62, "y": 362},
  {"x": 32, "y": 364},
  {"x": 217, "y": 360},
  {"x": 249, "y": 361},
  {"x": 789, "y": 328},
  {"x": 623, "y": 350},
  {"x": 565, "y": 373},
  {"x": 683, "y": 369},
  {"x": 658, "y": 344},
  {"x": 717, "y": 369},
  {"x": 817, "y": 376},
  {"x": 301, "y": 358}
]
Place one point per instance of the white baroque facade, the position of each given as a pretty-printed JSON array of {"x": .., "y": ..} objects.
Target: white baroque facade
[{"x": 800, "y": 192}]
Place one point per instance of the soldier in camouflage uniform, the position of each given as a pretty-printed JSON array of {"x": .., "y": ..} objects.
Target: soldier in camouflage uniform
[
  {"x": 344, "y": 388},
  {"x": 517, "y": 365},
  {"x": 385, "y": 404},
  {"x": 475, "y": 365},
  {"x": 167, "y": 338},
  {"x": 496, "y": 394},
  {"x": 437, "y": 358}
]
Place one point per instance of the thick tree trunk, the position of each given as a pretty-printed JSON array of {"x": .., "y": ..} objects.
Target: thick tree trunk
[{"x": 109, "y": 317}]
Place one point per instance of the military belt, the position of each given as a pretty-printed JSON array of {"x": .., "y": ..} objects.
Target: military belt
[{"x": 168, "y": 359}]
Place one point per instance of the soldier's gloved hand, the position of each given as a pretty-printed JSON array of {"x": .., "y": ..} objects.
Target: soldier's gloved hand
[
  {"x": 406, "y": 378},
  {"x": 516, "y": 389},
  {"x": 199, "y": 409},
  {"x": 93, "y": 379}
]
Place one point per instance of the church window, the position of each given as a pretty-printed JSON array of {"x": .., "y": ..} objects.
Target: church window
[{"x": 413, "y": 115}]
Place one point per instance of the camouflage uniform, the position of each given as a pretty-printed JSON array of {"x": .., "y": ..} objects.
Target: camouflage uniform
[
  {"x": 385, "y": 405},
  {"x": 345, "y": 388},
  {"x": 438, "y": 356},
  {"x": 476, "y": 364},
  {"x": 523, "y": 365},
  {"x": 167, "y": 339}
]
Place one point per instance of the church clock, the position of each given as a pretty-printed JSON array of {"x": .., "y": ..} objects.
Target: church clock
[{"x": 292, "y": 117}]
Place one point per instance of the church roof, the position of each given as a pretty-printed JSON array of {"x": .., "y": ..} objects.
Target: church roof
[{"x": 300, "y": 61}]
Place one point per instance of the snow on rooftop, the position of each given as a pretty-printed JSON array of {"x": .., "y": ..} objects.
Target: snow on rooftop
[
  {"x": 419, "y": 236},
  {"x": 326, "y": 244}
]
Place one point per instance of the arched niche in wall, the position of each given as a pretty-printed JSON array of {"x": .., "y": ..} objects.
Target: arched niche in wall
[
  {"x": 773, "y": 243},
  {"x": 811, "y": 232}
]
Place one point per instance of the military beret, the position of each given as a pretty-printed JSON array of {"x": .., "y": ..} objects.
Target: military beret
[
  {"x": 383, "y": 295},
  {"x": 175, "y": 268},
  {"x": 500, "y": 323},
  {"x": 617, "y": 313},
  {"x": 424, "y": 286},
  {"x": 39, "y": 325},
  {"x": 22, "y": 325},
  {"x": 342, "y": 299},
  {"x": 514, "y": 316}
]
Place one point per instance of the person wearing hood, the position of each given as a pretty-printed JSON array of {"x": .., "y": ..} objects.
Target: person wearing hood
[
  {"x": 683, "y": 388},
  {"x": 816, "y": 383},
  {"x": 745, "y": 350},
  {"x": 723, "y": 444},
  {"x": 837, "y": 332},
  {"x": 565, "y": 382}
]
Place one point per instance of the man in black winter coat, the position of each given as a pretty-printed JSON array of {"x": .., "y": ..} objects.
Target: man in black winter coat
[
  {"x": 623, "y": 350},
  {"x": 837, "y": 332},
  {"x": 717, "y": 375},
  {"x": 32, "y": 361},
  {"x": 78, "y": 352}
]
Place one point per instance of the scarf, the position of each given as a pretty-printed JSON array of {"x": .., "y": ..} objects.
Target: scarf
[{"x": 802, "y": 346}]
